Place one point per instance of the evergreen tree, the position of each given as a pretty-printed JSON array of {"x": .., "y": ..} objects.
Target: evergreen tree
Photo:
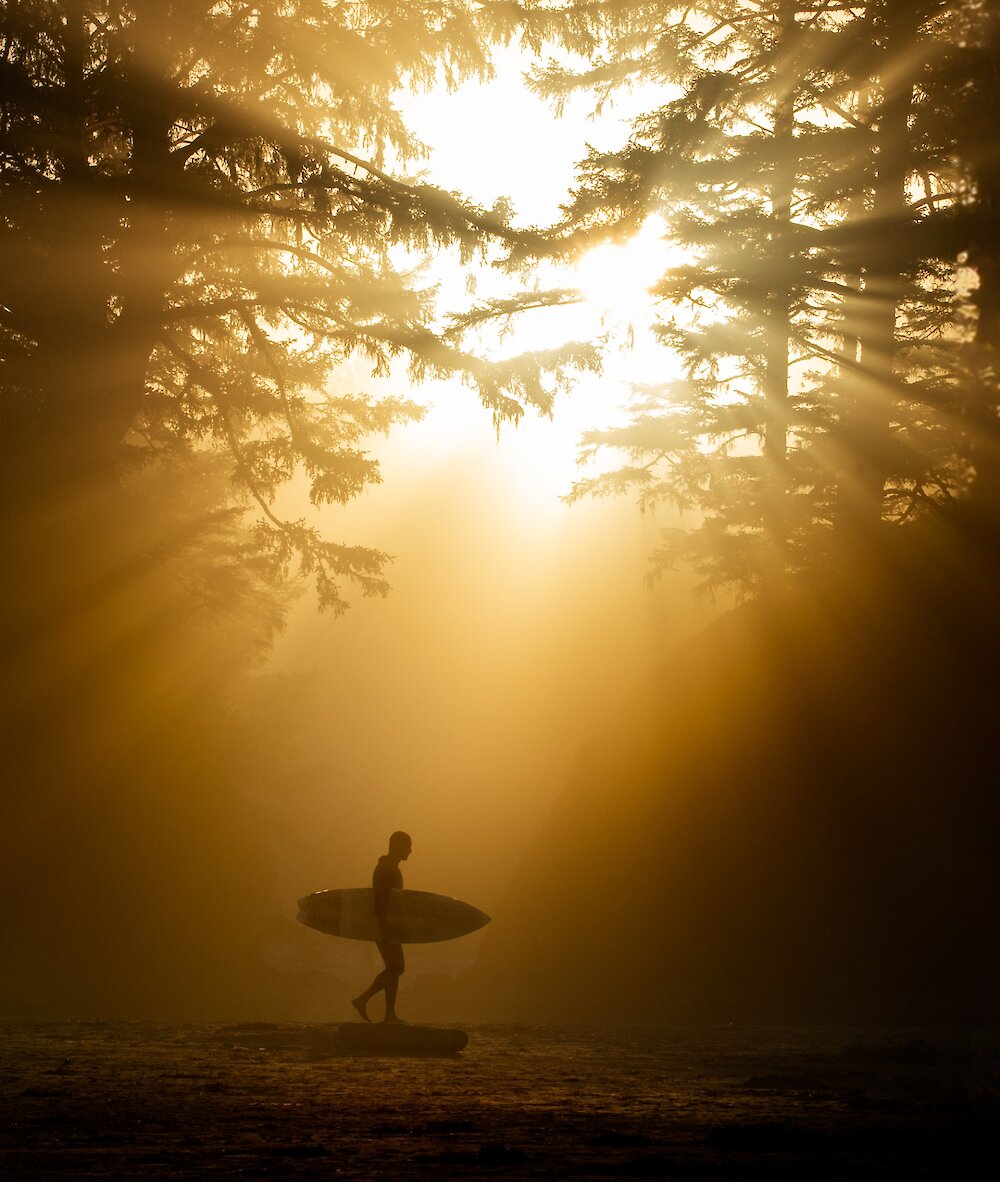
[
  {"x": 209, "y": 231},
  {"x": 206, "y": 211},
  {"x": 954, "y": 124},
  {"x": 821, "y": 318}
]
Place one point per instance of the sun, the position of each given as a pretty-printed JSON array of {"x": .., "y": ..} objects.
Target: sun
[
  {"x": 473, "y": 137},
  {"x": 615, "y": 278}
]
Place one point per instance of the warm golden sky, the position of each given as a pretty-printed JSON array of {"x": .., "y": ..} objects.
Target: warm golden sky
[{"x": 498, "y": 140}]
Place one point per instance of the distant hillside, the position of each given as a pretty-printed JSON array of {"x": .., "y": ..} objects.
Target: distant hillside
[{"x": 795, "y": 818}]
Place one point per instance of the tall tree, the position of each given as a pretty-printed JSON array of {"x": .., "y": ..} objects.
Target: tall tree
[
  {"x": 209, "y": 232},
  {"x": 820, "y": 319},
  {"x": 958, "y": 108},
  {"x": 206, "y": 210}
]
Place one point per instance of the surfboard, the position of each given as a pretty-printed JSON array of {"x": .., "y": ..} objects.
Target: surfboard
[
  {"x": 415, "y": 917},
  {"x": 385, "y": 1038}
]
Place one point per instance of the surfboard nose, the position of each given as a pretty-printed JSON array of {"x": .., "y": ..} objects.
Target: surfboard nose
[{"x": 481, "y": 919}]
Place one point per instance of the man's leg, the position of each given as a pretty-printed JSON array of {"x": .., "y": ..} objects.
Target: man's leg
[
  {"x": 388, "y": 979},
  {"x": 391, "y": 989},
  {"x": 392, "y": 954},
  {"x": 360, "y": 1003}
]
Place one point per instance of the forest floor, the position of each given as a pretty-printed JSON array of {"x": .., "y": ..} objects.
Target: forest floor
[{"x": 93, "y": 1099}]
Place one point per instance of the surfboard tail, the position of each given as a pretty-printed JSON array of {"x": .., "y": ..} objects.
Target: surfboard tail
[{"x": 326, "y": 918}]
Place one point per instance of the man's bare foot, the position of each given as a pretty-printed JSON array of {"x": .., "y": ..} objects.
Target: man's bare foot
[
  {"x": 360, "y": 1005},
  {"x": 393, "y": 1020}
]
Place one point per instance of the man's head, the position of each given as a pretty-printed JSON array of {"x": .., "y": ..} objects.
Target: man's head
[{"x": 400, "y": 845}]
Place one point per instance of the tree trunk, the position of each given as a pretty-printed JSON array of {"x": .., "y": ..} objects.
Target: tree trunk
[
  {"x": 868, "y": 414},
  {"x": 91, "y": 319},
  {"x": 983, "y": 412},
  {"x": 778, "y": 312},
  {"x": 91, "y": 322}
]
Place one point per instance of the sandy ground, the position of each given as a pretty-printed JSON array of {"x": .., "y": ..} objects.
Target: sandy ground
[{"x": 130, "y": 1100}]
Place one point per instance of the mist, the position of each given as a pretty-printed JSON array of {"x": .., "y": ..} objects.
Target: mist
[
  {"x": 260, "y": 748},
  {"x": 500, "y": 509},
  {"x": 357, "y": 479},
  {"x": 455, "y": 708}
]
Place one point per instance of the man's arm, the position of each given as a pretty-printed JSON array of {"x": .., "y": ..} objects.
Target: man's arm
[{"x": 382, "y": 887}]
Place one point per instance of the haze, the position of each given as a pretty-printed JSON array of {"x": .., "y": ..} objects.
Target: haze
[
  {"x": 456, "y": 707},
  {"x": 608, "y": 496}
]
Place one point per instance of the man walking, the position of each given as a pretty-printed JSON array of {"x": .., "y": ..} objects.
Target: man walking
[{"x": 387, "y": 877}]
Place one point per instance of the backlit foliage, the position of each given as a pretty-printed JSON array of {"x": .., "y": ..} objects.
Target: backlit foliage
[
  {"x": 833, "y": 318},
  {"x": 207, "y": 210}
]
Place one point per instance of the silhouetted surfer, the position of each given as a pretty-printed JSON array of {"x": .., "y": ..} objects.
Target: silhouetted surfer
[{"x": 387, "y": 876}]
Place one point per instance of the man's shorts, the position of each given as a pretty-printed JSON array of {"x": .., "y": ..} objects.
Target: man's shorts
[{"x": 392, "y": 954}]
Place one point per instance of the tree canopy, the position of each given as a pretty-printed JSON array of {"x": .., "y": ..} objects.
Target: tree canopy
[
  {"x": 833, "y": 319},
  {"x": 212, "y": 232},
  {"x": 208, "y": 208}
]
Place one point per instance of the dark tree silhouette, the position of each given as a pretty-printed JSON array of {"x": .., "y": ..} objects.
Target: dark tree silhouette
[
  {"x": 206, "y": 210},
  {"x": 804, "y": 156},
  {"x": 953, "y": 124},
  {"x": 211, "y": 235}
]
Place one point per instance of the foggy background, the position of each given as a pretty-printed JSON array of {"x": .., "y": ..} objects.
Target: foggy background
[
  {"x": 673, "y": 808},
  {"x": 454, "y": 709}
]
